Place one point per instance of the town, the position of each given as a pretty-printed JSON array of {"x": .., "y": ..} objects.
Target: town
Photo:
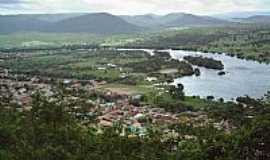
[
  {"x": 94, "y": 106},
  {"x": 134, "y": 80}
]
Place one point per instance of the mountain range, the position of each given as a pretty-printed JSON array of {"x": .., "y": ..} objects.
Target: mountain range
[
  {"x": 240, "y": 15},
  {"x": 259, "y": 19},
  {"x": 173, "y": 20},
  {"x": 97, "y": 23},
  {"x": 105, "y": 23}
]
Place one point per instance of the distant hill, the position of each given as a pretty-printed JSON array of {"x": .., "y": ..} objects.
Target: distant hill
[
  {"x": 102, "y": 23},
  {"x": 240, "y": 15},
  {"x": 20, "y": 23},
  {"x": 173, "y": 20},
  {"x": 55, "y": 17},
  {"x": 96, "y": 23},
  {"x": 147, "y": 20},
  {"x": 99, "y": 23},
  {"x": 263, "y": 19},
  {"x": 182, "y": 19}
]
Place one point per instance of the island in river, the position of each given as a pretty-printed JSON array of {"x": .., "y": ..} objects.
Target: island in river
[{"x": 208, "y": 63}]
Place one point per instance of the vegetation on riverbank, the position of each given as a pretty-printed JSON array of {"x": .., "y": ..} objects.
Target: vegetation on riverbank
[
  {"x": 243, "y": 41},
  {"x": 249, "y": 41},
  {"x": 205, "y": 62},
  {"x": 127, "y": 67}
]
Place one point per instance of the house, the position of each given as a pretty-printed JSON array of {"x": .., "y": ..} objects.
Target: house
[
  {"x": 137, "y": 97},
  {"x": 104, "y": 123},
  {"x": 139, "y": 116},
  {"x": 123, "y": 75},
  {"x": 111, "y": 65},
  {"x": 137, "y": 129},
  {"x": 101, "y": 68},
  {"x": 35, "y": 80},
  {"x": 67, "y": 81},
  {"x": 151, "y": 79}
]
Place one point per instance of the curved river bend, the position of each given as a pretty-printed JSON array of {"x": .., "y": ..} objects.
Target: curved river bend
[{"x": 242, "y": 77}]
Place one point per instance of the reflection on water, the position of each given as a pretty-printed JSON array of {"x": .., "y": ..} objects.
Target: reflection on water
[{"x": 242, "y": 77}]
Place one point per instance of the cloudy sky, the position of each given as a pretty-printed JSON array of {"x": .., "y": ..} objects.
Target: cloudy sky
[{"x": 132, "y": 6}]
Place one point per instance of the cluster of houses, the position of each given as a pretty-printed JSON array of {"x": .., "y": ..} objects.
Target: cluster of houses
[
  {"x": 133, "y": 118},
  {"x": 19, "y": 92},
  {"x": 108, "y": 108}
]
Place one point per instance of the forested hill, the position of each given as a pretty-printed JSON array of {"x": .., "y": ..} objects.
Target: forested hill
[
  {"x": 262, "y": 19},
  {"x": 97, "y": 23},
  {"x": 105, "y": 23},
  {"x": 100, "y": 23},
  {"x": 173, "y": 20}
]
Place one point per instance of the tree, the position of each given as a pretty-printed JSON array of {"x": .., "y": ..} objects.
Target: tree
[
  {"x": 177, "y": 92},
  {"x": 255, "y": 140}
]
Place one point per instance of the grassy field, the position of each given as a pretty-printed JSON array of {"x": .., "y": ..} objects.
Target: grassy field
[
  {"x": 129, "y": 89},
  {"x": 109, "y": 65},
  {"x": 37, "y": 39},
  {"x": 45, "y": 39},
  {"x": 244, "y": 41}
]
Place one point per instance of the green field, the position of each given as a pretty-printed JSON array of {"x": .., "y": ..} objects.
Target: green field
[
  {"x": 245, "y": 41},
  {"x": 76, "y": 64},
  {"x": 37, "y": 39}
]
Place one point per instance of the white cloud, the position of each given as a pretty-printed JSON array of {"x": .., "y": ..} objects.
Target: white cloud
[{"x": 135, "y": 6}]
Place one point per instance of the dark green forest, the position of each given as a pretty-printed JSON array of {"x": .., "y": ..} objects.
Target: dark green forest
[{"x": 50, "y": 132}]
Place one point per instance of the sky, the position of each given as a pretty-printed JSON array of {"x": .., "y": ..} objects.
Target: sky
[{"x": 132, "y": 7}]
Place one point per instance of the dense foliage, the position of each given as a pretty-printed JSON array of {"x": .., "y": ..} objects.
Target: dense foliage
[
  {"x": 243, "y": 41},
  {"x": 205, "y": 62},
  {"x": 49, "y": 132},
  {"x": 250, "y": 41}
]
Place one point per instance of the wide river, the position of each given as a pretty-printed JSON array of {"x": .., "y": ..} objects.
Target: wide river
[{"x": 242, "y": 77}]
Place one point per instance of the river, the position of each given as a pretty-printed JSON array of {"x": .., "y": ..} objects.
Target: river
[{"x": 243, "y": 77}]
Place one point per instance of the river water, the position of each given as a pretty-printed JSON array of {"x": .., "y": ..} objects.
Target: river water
[{"x": 242, "y": 77}]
